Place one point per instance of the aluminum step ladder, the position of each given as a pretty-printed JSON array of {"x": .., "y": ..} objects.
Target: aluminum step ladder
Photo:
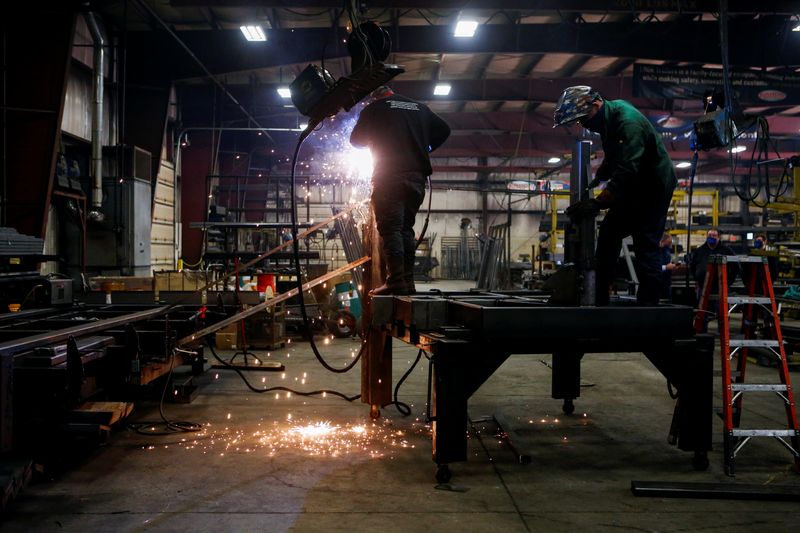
[{"x": 759, "y": 311}]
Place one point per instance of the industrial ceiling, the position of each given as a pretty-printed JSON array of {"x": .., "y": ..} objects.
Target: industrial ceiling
[{"x": 504, "y": 81}]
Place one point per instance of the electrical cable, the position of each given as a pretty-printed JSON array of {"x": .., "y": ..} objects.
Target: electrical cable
[
  {"x": 279, "y": 388},
  {"x": 403, "y": 408},
  {"x": 170, "y": 426},
  {"x": 298, "y": 272},
  {"x": 427, "y": 216}
]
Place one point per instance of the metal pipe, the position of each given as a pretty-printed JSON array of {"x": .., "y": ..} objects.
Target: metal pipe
[{"x": 95, "y": 214}]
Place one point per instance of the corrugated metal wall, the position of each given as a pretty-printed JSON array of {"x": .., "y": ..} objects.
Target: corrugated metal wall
[{"x": 162, "y": 233}]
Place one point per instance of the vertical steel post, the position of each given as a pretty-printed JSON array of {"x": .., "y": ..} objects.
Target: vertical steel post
[{"x": 580, "y": 241}]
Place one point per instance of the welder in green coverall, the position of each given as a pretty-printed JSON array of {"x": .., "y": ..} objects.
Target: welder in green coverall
[{"x": 639, "y": 179}]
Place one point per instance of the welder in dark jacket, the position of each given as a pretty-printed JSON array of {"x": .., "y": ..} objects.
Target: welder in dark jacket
[
  {"x": 639, "y": 182},
  {"x": 400, "y": 133}
]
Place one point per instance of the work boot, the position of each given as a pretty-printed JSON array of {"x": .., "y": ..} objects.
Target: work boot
[
  {"x": 408, "y": 274},
  {"x": 395, "y": 283}
]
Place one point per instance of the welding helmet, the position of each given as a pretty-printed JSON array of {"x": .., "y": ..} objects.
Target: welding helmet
[{"x": 573, "y": 104}]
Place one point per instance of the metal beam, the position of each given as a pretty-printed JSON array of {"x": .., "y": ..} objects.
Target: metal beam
[
  {"x": 154, "y": 55},
  {"x": 584, "y": 6}
]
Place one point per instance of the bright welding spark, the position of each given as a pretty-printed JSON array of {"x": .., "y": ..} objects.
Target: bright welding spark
[{"x": 315, "y": 430}]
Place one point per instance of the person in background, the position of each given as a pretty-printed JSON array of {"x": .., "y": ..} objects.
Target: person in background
[
  {"x": 400, "y": 133},
  {"x": 699, "y": 261},
  {"x": 761, "y": 247},
  {"x": 667, "y": 267},
  {"x": 639, "y": 181}
]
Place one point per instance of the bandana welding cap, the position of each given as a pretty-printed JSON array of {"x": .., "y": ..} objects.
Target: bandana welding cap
[
  {"x": 380, "y": 92},
  {"x": 573, "y": 104}
]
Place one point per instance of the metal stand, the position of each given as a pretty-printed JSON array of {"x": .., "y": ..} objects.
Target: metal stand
[{"x": 243, "y": 352}]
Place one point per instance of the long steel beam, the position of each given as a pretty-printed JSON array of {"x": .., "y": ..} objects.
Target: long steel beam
[
  {"x": 270, "y": 303},
  {"x": 17, "y": 346}
]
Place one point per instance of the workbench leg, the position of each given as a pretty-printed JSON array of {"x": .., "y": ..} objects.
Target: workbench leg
[
  {"x": 6, "y": 402},
  {"x": 566, "y": 384},
  {"x": 697, "y": 398},
  {"x": 449, "y": 405},
  {"x": 376, "y": 359}
]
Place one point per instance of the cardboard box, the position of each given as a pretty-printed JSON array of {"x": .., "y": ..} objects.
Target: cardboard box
[{"x": 226, "y": 341}]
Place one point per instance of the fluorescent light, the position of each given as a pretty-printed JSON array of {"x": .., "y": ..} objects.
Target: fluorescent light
[
  {"x": 441, "y": 89},
  {"x": 554, "y": 160},
  {"x": 737, "y": 149},
  {"x": 284, "y": 92},
  {"x": 253, "y": 33},
  {"x": 683, "y": 164},
  {"x": 465, "y": 28},
  {"x": 303, "y": 126}
]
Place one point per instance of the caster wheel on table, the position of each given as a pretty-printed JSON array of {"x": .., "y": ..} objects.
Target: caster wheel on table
[
  {"x": 443, "y": 474},
  {"x": 568, "y": 407}
]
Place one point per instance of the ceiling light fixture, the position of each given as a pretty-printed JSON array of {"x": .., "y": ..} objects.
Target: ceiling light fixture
[
  {"x": 253, "y": 33},
  {"x": 796, "y": 28},
  {"x": 683, "y": 164},
  {"x": 465, "y": 28},
  {"x": 441, "y": 89},
  {"x": 284, "y": 92},
  {"x": 554, "y": 160},
  {"x": 737, "y": 149}
]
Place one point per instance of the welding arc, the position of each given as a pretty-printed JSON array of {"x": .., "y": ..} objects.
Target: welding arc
[
  {"x": 268, "y": 253},
  {"x": 273, "y": 389},
  {"x": 298, "y": 273},
  {"x": 270, "y": 303}
]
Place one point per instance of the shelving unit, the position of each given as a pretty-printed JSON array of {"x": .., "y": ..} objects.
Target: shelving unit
[{"x": 248, "y": 215}]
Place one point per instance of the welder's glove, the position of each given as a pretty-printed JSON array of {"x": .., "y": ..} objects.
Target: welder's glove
[
  {"x": 604, "y": 199},
  {"x": 583, "y": 209}
]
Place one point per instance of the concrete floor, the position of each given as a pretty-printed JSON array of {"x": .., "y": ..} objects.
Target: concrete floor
[{"x": 253, "y": 469}]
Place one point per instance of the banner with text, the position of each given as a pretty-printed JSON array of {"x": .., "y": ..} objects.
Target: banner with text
[{"x": 749, "y": 86}]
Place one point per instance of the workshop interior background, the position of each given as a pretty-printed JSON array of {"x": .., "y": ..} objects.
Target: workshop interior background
[{"x": 174, "y": 172}]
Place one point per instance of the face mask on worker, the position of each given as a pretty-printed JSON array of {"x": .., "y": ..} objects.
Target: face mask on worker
[
  {"x": 595, "y": 123},
  {"x": 758, "y": 244},
  {"x": 712, "y": 241}
]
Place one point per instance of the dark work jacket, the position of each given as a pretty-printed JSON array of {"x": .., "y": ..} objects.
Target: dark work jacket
[
  {"x": 698, "y": 264},
  {"x": 635, "y": 163},
  {"x": 399, "y": 132}
]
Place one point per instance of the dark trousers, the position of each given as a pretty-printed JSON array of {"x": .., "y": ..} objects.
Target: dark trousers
[
  {"x": 646, "y": 227},
  {"x": 396, "y": 200}
]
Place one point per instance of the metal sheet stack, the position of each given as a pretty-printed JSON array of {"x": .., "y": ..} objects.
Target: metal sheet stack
[{"x": 13, "y": 243}]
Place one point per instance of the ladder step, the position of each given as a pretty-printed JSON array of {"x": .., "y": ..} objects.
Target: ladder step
[
  {"x": 747, "y": 387},
  {"x": 734, "y": 373},
  {"x": 744, "y": 300},
  {"x": 753, "y": 343},
  {"x": 745, "y": 259},
  {"x": 763, "y": 432}
]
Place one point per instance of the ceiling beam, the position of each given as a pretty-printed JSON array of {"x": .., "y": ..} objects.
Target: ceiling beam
[
  {"x": 769, "y": 42},
  {"x": 584, "y": 6}
]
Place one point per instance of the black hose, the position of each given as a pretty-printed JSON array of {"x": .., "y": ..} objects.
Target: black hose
[
  {"x": 298, "y": 273},
  {"x": 402, "y": 407},
  {"x": 273, "y": 389}
]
